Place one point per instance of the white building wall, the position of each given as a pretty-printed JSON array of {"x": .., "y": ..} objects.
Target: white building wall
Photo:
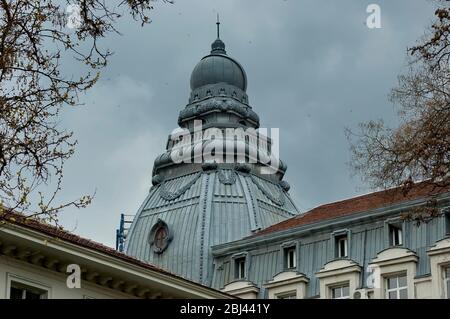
[{"x": 51, "y": 280}]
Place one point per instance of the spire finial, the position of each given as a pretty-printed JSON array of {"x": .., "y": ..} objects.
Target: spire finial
[
  {"x": 218, "y": 26},
  {"x": 218, "y": 47}
]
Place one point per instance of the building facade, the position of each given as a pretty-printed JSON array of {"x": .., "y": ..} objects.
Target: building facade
[
  {"x": 357, "y": 248},
  {"x": 233, "y": 226},
  {"x": 40, "y": 261},
  {"x": 201, "y": 202}
]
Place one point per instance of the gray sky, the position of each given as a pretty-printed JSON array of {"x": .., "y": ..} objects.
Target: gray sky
[{"x": 313, "y": 69}]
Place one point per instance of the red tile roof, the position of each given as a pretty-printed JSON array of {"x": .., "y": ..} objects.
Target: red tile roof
[
  {"x": 356, "y": 205},
  {"x": 56, "y": 232}
]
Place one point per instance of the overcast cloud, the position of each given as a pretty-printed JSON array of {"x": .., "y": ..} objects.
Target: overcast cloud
[{"x": 313, "y": 69}]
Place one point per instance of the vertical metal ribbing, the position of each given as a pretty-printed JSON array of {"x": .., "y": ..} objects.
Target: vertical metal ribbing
[
  {"x": 137, "y": 216},
  {"x": 251, "y": 204},
  {"x": 205, "y": 219}
]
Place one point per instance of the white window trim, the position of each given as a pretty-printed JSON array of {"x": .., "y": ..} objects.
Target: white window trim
[
  {"x": 283, "y": 295},
  {"x": 234, "y": 258},
  {"x": 396, "y": 222},
  {"x": 446, "y": 281},
  {"x": 345, "y": 240},
  {"x": 397, "y": 289},
  {"x": 335, "y": 245},
  {"x": 288, "y": 251},
  {"x": 284, "y": 261},
  {"x": 240, "y": 271},
  {"x": 339, "y": 286},
  {"x": 446, "y": 216},
  {"x": 25, "y": 281},
  {"x": 396, "y": 235}
]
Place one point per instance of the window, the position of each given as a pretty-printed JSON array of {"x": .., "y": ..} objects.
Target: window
[
  {"x": 447, "y": 282},
  {"x": 287, "y": 295},
  {"x": 290, "y": 258},
  {"x": 22, "y": 291},
  {"x": 447, "y": 221},
  {"x": 340, "y": 292},
  {"x": 341, "y": 246},
  {"x": 239, "y": 268},
  {"x": 395, "y": 235},
  {"x": 340, "y": 239},
  {"x": 397, "y": 287},
  {"x": 160, "y": 235}
]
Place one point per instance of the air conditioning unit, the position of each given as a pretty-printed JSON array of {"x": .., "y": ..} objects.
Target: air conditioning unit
[{"x": 361, "y": 294}]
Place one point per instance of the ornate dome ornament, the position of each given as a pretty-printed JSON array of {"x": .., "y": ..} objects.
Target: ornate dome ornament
[
  {"x": 160, "y": 236},
  {"x": 285, "y": 185},
  {"x": 156, "y": 180},
  {"x": 277, "y": 199},
  {"x": 228, "y": 178},
  {"x": 208, "y": 167},
  {"x": 243, "y": 168},
  {"x": 170, "y": 196}
]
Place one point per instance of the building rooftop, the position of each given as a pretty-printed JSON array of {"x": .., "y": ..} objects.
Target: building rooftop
[
  {"x": 357, "y": 205},
  {"x": 8, "y": 217}
]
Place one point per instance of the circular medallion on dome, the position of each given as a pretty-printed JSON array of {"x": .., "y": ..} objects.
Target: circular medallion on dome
[{"x": 160, "y": 237}]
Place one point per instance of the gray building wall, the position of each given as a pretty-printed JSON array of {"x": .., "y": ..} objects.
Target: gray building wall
[{"x": 368, "y": 235}]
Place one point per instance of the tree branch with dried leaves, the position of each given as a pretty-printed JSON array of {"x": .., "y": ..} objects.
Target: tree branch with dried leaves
[
  {"x": 419, "y": 148},
  {"x": 34, "y": 40}
]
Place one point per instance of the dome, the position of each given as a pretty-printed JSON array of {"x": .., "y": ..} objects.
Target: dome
[
  {"x": 218, "y": 68},
  {"x": 193, "y": 206},
  {"x": 183, "y": 216}
]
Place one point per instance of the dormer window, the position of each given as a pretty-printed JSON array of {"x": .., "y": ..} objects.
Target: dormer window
[
  {"x": 395, "y": 235},
  {"x": 290, "y": 257},
  {"x": 341, "y": 246},
  {"x": 341, "y": 239},
  {"x": 239, "y": 268},
  {"x": 447, "y": 221}
]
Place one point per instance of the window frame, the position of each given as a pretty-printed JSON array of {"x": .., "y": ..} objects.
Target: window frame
[
  {"x": 391, "y": 224},
  {"x": 239, "y": 268},
  {"x": 238, "y": 258},
  {"x": 395, "y": 236},
  {"x": 336, "y": 236},
  {"x": 340, "y": 286},
  {"x": 339, "y": 240},
  {"x": 14, "y": 279},
  {"x": 398, "y": 288},
  {"x": 288, "y": 263},
  {"x": 446, "y": 212},
  {"x": 289, "y": 294},
  {"x": 446, "y": 275},
  {"x": 285, "y": 248}
]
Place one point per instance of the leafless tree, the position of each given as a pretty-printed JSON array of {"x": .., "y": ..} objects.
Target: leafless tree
[
  {"x": 419, "y": 148},
  {"x": 35, "y": 43}
]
